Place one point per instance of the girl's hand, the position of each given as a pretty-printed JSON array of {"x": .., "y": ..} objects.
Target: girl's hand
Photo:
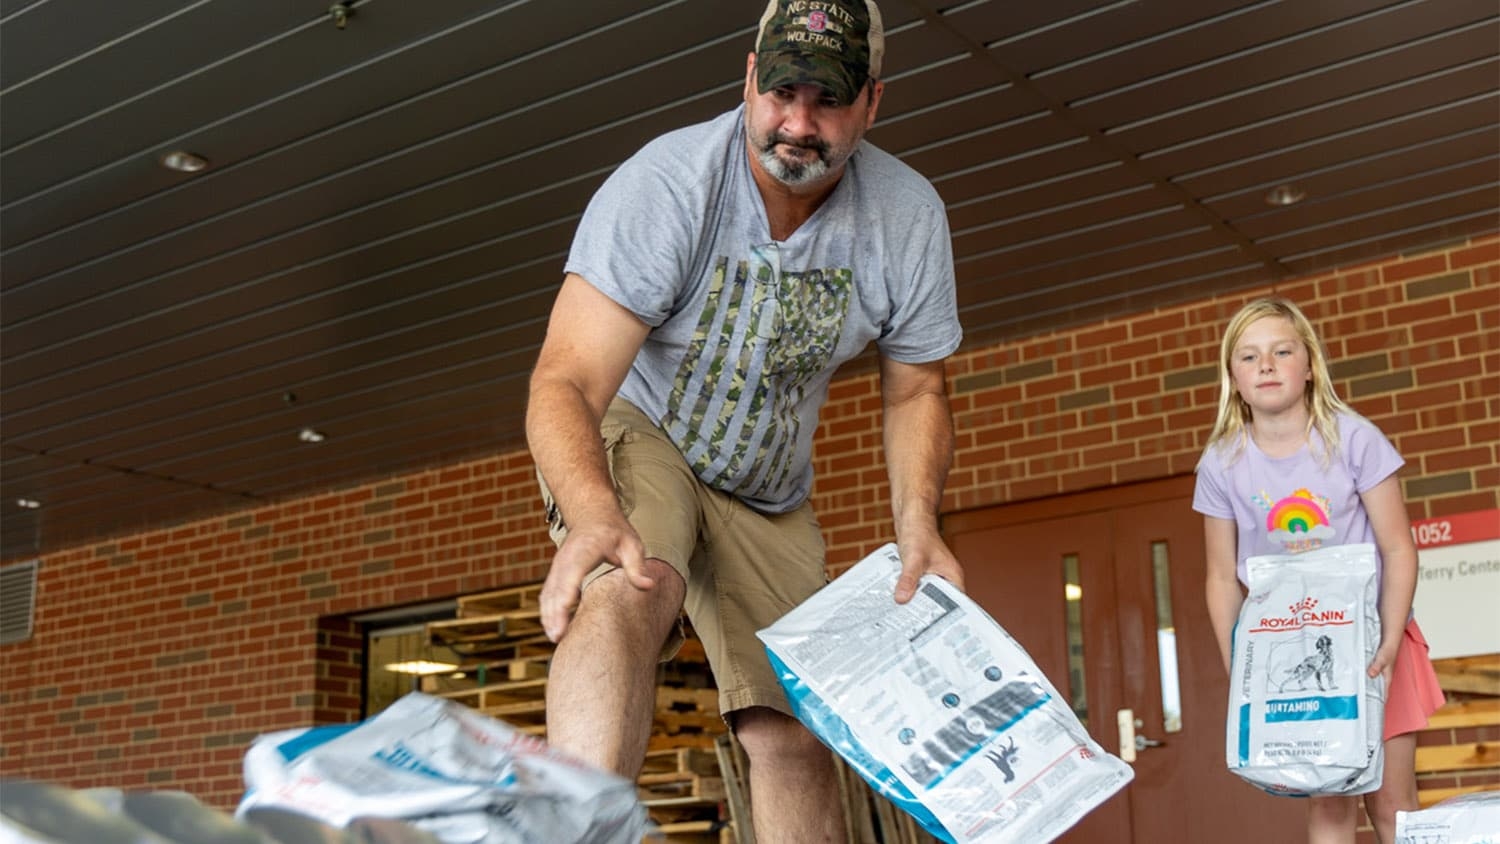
[{"x": 1385, "y": 660}]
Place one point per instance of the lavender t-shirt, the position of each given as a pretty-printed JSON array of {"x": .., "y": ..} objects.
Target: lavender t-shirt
[{"x": 1292, "y": 504}]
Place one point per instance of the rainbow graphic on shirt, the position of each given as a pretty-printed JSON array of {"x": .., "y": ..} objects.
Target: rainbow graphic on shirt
[{"x": 1298, "y": 521}]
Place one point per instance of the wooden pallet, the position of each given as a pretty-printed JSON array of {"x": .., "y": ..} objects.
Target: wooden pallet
[
  {"x": 506, "y": 635},
  {"x": 697, "y": 741},
  {"x": 680, "y": 772},
  {"x": 691, "y": 830},
  {"x": 477, "y": 674},
  {"x": 500, "y": 601},
  {"x": 1478, "y": 675},
  {"x": 1459, "y": 750},
  {"x": 868, "y": 816},
  {"x": 520, "y": 703},
  {"x": 734, "y": 769},
  {"x": 684, "y": 792},
  {"x": 688, "y": 700},
  {"x": 496, "y": 625},
  {"x": 687, "y": 712},
  {"x": 683, "y": 760}
]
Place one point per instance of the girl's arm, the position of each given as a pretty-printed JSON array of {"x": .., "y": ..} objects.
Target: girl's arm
[
  {"x": 1221, "y": 585},
  {"x": 1398, "y": 554}
]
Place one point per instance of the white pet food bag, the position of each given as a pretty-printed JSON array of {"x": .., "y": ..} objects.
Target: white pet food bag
[
  {"x": 1303, "y": 716},
  {"x": 938, "y": 708},
  {"x": 1462, "y": 819},
  {"x": 446, "y": 769}
]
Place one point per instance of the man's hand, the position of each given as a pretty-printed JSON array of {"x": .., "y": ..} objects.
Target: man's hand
[
  {"x": 590, "y": 343},
  {"x": 585, "y": 547},
  {"x": 923, "y": 555}
]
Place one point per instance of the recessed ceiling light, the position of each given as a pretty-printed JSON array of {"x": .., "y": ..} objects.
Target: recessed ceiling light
[
  {"x": 183, "y": 161},
  {"x": 308, "y": 435},
  {"x": 28, "y": 503},
  {"x": 1282, "y": 195}
]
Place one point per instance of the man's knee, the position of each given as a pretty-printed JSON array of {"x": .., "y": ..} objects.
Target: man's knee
[
  {"x": 768, "y": 734},
  {"x": 612, "y": 593}
]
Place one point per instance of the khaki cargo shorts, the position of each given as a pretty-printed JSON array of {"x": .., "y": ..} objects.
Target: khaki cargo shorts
[{"x": 744, "y": 569}]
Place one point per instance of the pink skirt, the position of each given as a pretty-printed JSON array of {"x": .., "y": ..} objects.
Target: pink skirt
[{"x": 1414, "y": 692}]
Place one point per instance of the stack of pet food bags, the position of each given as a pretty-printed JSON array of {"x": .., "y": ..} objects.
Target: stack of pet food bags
[
  {"x": 1461, "y": 819},
  {"x": 447, "y": 770},
  {"x": 1304, "y": 717},
  {"x": 938, "y": 708},
  {"x": 44, "y": 813}
]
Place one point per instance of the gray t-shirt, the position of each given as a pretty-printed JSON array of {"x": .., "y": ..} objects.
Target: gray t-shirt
[
  {"x": 1292, "y": 504},
  {"x": 747, "y": 331}
]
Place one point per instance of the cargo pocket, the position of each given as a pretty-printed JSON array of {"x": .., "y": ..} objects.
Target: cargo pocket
[{"x": 612, "y": 434}]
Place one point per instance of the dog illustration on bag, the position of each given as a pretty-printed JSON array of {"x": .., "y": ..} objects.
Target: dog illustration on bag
[
  {"x": 1317, "y": 667},
  {"x": 1003, "y": 759}
]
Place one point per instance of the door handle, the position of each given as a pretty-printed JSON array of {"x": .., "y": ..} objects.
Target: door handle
[
  {"x": 1132, "y": 742},
  {"x": 1141, "y": 742}
]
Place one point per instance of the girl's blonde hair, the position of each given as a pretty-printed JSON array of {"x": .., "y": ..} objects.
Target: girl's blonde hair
[{"x": 1231, "y": 428}]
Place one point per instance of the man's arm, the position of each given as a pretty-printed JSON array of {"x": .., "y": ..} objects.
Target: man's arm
[
  {"x": 591, "y": 341},
  {"x": 918, "y": 451}
]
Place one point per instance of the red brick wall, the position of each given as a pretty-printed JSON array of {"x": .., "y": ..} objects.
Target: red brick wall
[
  {"x": 1413, "y": 342},
  {"x": 158, "y": 656}
]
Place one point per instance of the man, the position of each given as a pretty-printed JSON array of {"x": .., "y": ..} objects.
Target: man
[{"x": 716, "y": 281}]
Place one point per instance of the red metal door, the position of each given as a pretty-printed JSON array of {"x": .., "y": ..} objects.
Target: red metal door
[{"x": 1098, "y": 587}]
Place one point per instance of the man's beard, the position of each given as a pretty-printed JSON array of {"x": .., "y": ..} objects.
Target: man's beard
[{"x": 798, "y": 172}]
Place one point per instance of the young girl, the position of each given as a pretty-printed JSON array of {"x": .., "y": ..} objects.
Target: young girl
[{"x": 1280, "y": 432}]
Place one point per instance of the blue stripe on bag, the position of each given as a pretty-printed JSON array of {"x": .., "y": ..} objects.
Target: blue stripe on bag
[
  {"x": 310, "y": 738},
  {"x": 1313, "y": 709},
  {"x": 834, "y": 731},
  {"x": 1244, "y": 735}
]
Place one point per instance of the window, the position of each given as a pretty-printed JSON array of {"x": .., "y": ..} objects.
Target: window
[{"x": 398, "y": 654}]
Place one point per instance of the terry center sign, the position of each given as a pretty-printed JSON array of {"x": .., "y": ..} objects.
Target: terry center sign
[{"x": 1458, "y": 583}]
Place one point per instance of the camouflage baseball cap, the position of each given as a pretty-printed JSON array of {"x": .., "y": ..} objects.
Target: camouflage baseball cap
[{"x": 837, "y": 44}]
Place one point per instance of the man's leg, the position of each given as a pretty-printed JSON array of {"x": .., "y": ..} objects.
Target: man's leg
[
  {"x": 601, "y": 687},
  {"x": 794, "y": 790}
]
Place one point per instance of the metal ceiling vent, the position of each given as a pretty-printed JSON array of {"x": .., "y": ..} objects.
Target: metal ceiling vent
[{"x": 17, "y": 601}]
